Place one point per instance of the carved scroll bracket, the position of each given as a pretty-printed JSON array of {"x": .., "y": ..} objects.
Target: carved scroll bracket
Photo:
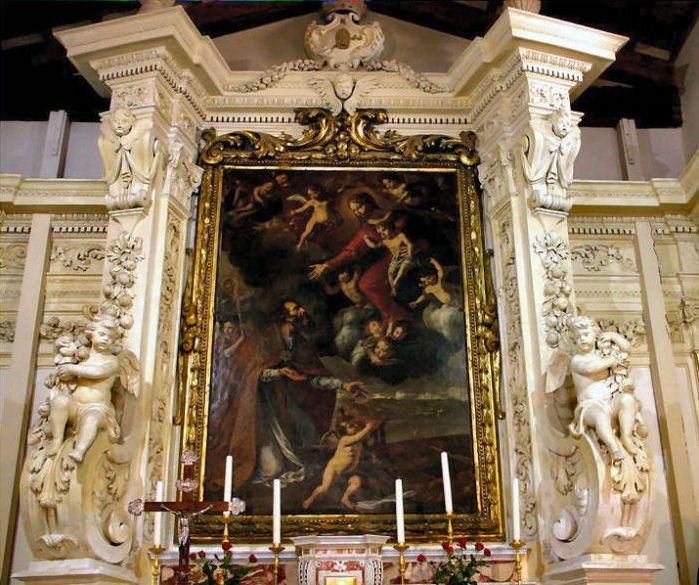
[{"x": 131, "y": 157}]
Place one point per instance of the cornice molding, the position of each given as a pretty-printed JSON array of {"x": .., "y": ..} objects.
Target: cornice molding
[
  {"x": 166, "y": 41},
  {"x": 520, "y": 28},
  {"x": 661, "y": 195},
  {"x": 21, "y": 195},
  {"x": 169, "y": 28}
]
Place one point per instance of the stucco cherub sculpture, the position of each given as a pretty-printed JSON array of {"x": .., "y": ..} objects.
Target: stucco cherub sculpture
[
  {"x": 600, "y": 464},
  {"x": 604, "y": 392},
  {"x": 82, "y": 398},
  {"x": 130, "y": 158}
]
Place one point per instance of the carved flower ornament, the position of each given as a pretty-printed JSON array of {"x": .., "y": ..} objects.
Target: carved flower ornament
[{"x": 136, "y": 507}]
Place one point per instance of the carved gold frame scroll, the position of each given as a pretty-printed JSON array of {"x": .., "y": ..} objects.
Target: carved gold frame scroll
[{"x": 345, "y": 142}]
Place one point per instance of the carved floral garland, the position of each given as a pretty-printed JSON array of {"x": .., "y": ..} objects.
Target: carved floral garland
[
  {"x": 594, "y": 257},
  {"x": 78, "y": 259},
  {"x": 275, "y": 74},
  {"x": 7, "y": 331},
  {"x": 554, "y": 254}
]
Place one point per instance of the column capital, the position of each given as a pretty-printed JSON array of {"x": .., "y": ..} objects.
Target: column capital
[{"x": 163, "y": 40}]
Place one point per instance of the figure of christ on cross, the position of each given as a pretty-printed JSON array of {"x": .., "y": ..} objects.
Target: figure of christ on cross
[{"x": 186, "y": 509}]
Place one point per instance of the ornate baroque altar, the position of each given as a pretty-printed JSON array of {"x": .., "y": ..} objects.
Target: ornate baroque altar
[{"x": 575, "y": 446}]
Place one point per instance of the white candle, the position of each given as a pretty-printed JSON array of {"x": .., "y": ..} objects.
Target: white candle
[
  {"x": 400, "y": 520},
  {"x": 446, "y": 481},
  {"x": 515, "y": 509},
  {"x": 158, "y": 520},
  {"x": 228, "y": 485},
  {"x": 276, "y": 512}
]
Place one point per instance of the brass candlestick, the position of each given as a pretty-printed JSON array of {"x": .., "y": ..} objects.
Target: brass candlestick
[
  {"x": 227, "y": 519},
  {"x": 155, "y": 552},
  {"x": 276, "y": 549},
  {"x": 518, "y": 545},
  {"x": 450, "y": 527},
  {"x": 401, "y": 547}
]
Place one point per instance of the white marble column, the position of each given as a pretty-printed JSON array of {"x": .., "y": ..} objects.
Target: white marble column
[
  {"x": 22, "y": 378},
  {"x": 528, "y": 141},
  {"x": 155, "y": 116},
  {"x": 682, "y": 468},
  {"x": 522, "y": 130}
]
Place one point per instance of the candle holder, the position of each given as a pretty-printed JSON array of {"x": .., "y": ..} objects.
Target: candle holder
[
  {"x": 401, "y": 547},
  {"x": 227, "y": 519},
  {"x": 518, "y": 545},
  {"x": 276, "y": 549},
  {"x": 155, "y": 552},
  {"x": 450, "y": 526}
]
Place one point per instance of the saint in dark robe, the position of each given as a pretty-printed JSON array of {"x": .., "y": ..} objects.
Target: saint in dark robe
[{"x": 279, "y": 406}]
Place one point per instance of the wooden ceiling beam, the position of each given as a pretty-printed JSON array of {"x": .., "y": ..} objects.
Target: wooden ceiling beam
[
  {"x": 636, "y": 69},
  {"x": 452, "y": 18},
  {"x": 219, "y": 18}
]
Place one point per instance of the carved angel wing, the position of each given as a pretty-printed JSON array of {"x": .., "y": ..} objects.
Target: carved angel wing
[
  {"x": 557, "y": 370},
  {"x": 129, "y": 372},
  {"x": 324, "y": 88},
  {"x": 363, "y": 86}
]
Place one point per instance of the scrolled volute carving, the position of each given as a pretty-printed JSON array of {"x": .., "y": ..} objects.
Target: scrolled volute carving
[
  {"x": 548, "y": 154},
  {"x": 600, "y": 464},
  {"x": 130, "y": 157},
  {"x": 343, "y": 137},
  {"x": 76, "y": 475}
]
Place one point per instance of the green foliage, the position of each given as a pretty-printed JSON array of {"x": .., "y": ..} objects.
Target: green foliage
[
  {"x": 232, "y": 575},
  {"x": 460, "y": 567}
]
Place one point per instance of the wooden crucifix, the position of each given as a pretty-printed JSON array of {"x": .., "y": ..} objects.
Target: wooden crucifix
[{"x": 186, "y": 509}]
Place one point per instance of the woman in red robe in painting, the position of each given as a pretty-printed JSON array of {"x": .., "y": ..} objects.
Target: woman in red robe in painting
[{"x": 374, "y": 281}]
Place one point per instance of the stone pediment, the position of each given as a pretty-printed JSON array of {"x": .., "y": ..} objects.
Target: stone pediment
[
  {"x": 262, "y": 47},
  {"x": 111, "y": 52}
]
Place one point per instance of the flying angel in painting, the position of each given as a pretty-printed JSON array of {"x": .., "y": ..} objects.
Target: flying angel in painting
[{"x": 320, "y": 214}]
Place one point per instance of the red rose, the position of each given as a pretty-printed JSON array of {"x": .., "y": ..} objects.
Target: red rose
[
  {"x": 192, "y": 556},
  {"x": 201, "y": 554},
  {"x": 252, "y": 558},
  {"x": 226, "y": 545},
  {"x": 421, "y": 558},
  {"x": 487, "y": 552},
  {"x": 480, "y": 546},
  {"x": 446, "y": 545},
  {"x": 462, "y": 542},
  {"x": 450, "y": 550}
]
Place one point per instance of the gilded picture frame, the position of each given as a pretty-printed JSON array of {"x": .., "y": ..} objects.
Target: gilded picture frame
[{"x": 341, "y": 151}]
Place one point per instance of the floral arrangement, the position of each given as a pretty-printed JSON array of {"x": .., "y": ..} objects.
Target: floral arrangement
[
  {"x": 219, "y": 570},
  {"x": 461, "y": 566}
]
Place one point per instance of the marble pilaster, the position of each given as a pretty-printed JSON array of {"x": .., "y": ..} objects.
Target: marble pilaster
[
  {"x": 683, "y": 469},
  {"x": 528, "y": 143},
  {"x": 16, "y": 413},
  {"x": 148, "y": 145}
]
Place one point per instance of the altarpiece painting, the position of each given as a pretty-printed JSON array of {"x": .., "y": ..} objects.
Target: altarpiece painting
[{"x": 339, "y": 332}]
